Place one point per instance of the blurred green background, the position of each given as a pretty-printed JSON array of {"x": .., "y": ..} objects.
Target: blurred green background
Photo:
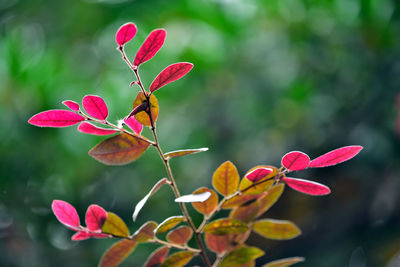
[{"x": 269, "y": 77}]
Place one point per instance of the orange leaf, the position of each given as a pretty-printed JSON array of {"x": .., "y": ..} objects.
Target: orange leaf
[
  {"x": 117, "y": 253},
  {"x": 145, "y": 232},
  {"x": 157, "y": 257},
  {"x": 180, "y": 235},
  {"x": 271, "y": 196},
  {"x": 143, "y": 116},
  {"x": 119, "y": 150},
  {"x": 208, "y": 206},
  {"x": 226, "y": 179},
  {"x": 245, "y": 213}
]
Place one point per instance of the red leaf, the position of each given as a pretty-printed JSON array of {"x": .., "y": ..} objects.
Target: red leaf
[
  {"x": 95, "y": 106},
  {"x": 125, "y": 33},
  {"x": 95, "y": 217},
  {"x": 72, "y": 105},
  {"x": 82, "y": 235},
  {"x": 66, "y": 214},
  {"x": 150, "y": 47},
  {"x": 169, "y": 74},
  {"x": 307, "y": 187},
  {"x": 132, "y": 123},
  {"x": 88, "y": 128},
  {"x": 295, "y": 161},
  {"x": 335, "y": 156},
  {"x": 258, "y": 174},
  {"x": 56, "y": 118}
]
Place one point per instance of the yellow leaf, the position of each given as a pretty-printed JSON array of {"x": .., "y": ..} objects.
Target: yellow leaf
[
  {"x": 115, "y": 226},
  {"x": 225, "y": 226},
  {"x": 276, "y": 229},
  {"x": 168, "y": 224},
  {"x": 178, "y": 259},
  {"x": 142, "y": 116},
  {"x": 284, "y": 262},
  {"x": 226, "y": 179}
]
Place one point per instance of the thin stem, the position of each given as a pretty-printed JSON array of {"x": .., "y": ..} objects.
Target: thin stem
[
  {"x": 172, "y": 245},
  {"x": 133, "y": 68}
]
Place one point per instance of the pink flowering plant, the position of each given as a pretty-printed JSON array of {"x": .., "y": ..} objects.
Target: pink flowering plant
[{"x": 247, "y": 199}]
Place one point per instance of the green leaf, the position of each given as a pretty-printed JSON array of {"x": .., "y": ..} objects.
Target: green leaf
[
  {"x": 184, "y": 152},
  {"x": 168, "y": 224},
  {"x": 271, "y": 197},
  {"x": 208, "y": 206},
  {"x": 284, "y": 262},
  {"x": 226, "y": 179},
  {"x": 276, "y": 229},
  {"x": 241, "y": 255},
  {"x": 225, "y": 226},
  {"x": 141, "y": 203},
  {"x": 157, "y": 257},
  {"x": 180, "y": 235},
  {"x": 146, "y": 232},
  {"x": 115, "y": 226},
  {"x": 245, "y": 213},
  {"x": 119, "y": 150},
  {"x": 117, "y": 253},
  {"x": 246, "y": 186},
  {"x": 178, "y": 259}
]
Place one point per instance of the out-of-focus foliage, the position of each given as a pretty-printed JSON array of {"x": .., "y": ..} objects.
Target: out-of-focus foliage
[{"x": 269, "y": 77}]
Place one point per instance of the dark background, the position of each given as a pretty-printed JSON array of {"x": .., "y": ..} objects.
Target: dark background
[{"x": 269, "y": 77}]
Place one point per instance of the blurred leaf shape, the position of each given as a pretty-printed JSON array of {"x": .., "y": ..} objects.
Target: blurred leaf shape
[
  {"x": 180, "y": 235},
  {"x": 184, "y": 152},
  {"x": 72, "y": 105},
  {"x": 208, "y": 206},
  {"x": 335, "y": 156},
  {"x": 133, "y": 124},
  {"x": 115, "y": 226},
  {"x": 295, "y": 161},
  {"x": 150, "y": 47},
  {"x": 117, "y": 253},
  {"x": 95, "y": 217},
  {"x": 143, "y": 116},
  {"x": 246, "y": 213},
  {"x": 119, "y": 150},
  {"x": 141, "y": 203},
  {"x": 270, "y": 198},
  {"x": 178, "y": 259},
  {"x": 258, "y": 174},
  {"x": 306, "y": 186},
  {"x": 248, "y": 188},
  {"x": 88, "y": 128},
  {"x": 66, "y": 214},
  {"x": 171, "y": 73},
  {"x": 241, "y": 255},
  {"x": 158, "y": 256},
  {"x": 225, "y": 226},
  {"x": 200, "y": 197},
  {"x": 95, "y": 106},
  {"x": 284, "y": 262},
  {"x": 125, "y": 33},
  {"x": 146, "y": 232},
  {"x": 56, "y": 118},
  {"x": 168, "y": 224},
  {"x": 276, "y": 229},
  {"x": 226, "y": 179}
]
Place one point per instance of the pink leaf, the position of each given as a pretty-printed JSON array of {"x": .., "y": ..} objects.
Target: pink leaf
[
  {"x": 72, "y": 105},
  {"x": 66, "y": 213},
  {"x": 56, "y": 118},
  {"x": 82, "y": 235},
  {"x": 150, "y": 47},
  {"x": 125, "y": 33},
  {"x": 258, "y": 174},
  {"x": 306, "y": 187},
  {"x": 95, "y": 106},
  {"x": 335, "y": 156},
  {"x": 132, "y": 123},
  {"x": 95, "y": 217},
  {"x": 88, "y": 128},
  {"x": 295, "y": 161},
  {"x": 169, "y": 74}
]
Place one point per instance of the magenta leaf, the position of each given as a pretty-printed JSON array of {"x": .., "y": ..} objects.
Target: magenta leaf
[
  {"x": 169, "y": 74},
  {"x": 150, "y": 47},
  {"x": 125, "y": 33},
  {"x": 66, "y": 214},
  {"x": 82, "y": 235},
  {"x": 295, "y": 161},
  {"x": 258, "y": 174},
  {"x": 72, "y": 105},
  {"x": 56, "y": 118},
  {"x": 335, "y": 156},
  {"x": 95, "y": 106},
  {"x": 95, "y": 217},
  {"x": 133, "y": 124},
  {"x": 88, "y": 128},
  {"x": 306, "y": 187}
]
